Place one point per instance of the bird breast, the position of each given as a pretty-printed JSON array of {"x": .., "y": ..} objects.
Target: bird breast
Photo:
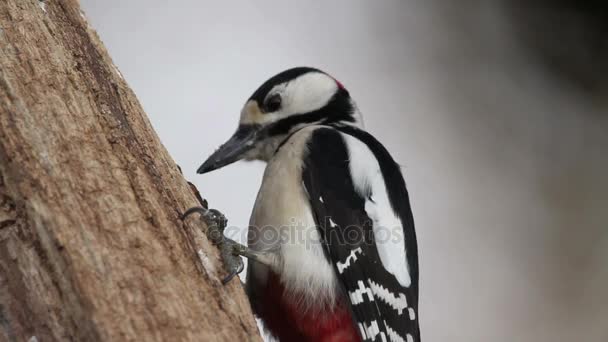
[{"x": 282, "y": 221}]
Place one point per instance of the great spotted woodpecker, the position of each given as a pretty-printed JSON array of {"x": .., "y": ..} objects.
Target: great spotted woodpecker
[{"x": 331, "y": 238}]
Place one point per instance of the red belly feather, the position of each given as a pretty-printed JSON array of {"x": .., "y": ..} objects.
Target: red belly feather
[{"x": 286, "y": 321}]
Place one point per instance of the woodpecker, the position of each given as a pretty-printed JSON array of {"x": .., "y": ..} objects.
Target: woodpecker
[{"x": 331, "y": 240}]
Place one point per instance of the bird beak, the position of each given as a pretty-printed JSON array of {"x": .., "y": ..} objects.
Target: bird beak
[{"x": 241, "y": 142}]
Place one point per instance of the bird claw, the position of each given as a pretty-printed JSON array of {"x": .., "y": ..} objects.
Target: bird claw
[
  {"x": 232, "y": 261},
  {"x": 229, "y": 249}
]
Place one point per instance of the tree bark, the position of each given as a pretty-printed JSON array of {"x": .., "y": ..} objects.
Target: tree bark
[{"x": 91, "y": 242}]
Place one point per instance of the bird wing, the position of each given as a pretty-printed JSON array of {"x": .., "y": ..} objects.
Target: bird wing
[{"x": 366, "y": 228}]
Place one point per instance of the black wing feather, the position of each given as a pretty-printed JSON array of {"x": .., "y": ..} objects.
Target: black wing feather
[{"x": 347, "y": 234}]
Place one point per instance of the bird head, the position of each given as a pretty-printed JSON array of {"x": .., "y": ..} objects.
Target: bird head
[{"x": 285, "y": 103}]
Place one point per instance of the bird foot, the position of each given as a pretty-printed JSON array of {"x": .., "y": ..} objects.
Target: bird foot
[{"x": 230, "y": 250}]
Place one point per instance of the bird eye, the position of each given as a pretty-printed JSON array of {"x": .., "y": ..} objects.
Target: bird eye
[{"x": 273, "y": 103}]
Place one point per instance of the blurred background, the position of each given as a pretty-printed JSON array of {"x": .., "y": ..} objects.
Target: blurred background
[{"x": 498, "y": 111}]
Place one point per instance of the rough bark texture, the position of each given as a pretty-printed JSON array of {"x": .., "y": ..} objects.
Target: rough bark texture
[{"x": 91, "y": 244}]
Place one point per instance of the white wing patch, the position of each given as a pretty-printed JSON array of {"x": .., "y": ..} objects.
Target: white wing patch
[
  {"x": 412, "y": 313},
  {"x": 393, "y": 335},
  {"x": 356, "y": 297},
  {"x": 352, "y": 257},
  {"x": 369, "y": 331},
  {"x": 399, "y": 303},
  {"x": 362, "y": 331},
  {"x": 388, "y": 230},
  {"x": 372, "y": 330}
]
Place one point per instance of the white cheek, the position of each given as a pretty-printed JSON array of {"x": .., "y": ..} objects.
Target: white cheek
[
  {"x": 304, "y": 94},
  {"x": 308, "y": 93}
]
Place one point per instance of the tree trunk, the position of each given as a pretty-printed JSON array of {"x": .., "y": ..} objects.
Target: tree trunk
[{"x": 91, "y": 242}]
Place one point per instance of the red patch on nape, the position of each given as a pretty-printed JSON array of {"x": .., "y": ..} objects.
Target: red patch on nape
[
  {"x": 284, "y": 318},
  {"x": 340, "y": 85}
]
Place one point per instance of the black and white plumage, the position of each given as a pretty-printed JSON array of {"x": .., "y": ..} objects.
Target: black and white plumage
[
  {"x": 339, "y": 189},
  {"x": 361, "y": 205}
]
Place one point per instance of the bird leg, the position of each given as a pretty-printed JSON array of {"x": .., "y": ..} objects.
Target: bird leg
[{"x": 230, "y": 250}]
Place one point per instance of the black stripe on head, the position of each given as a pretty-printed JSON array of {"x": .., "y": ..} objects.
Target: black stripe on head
[
  {"x": 338, "y": 109},
  {"x": 260, "y": 94}
]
